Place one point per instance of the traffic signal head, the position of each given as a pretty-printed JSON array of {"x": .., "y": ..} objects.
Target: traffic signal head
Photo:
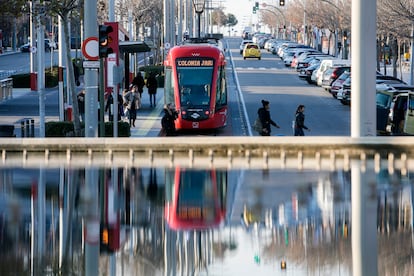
[
  {"x": 254, "y": 9},
  {"x": 104, "y": 41},
  {"x": 281, "y": 2},
  {"x": 256, "y": 5}
]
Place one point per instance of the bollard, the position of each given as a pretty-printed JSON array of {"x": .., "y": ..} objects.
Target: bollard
[
  {"x": 1, "y": 90},
  {"x": 32, "y": 133},
  {"x": 22, "y": 128},
  {"x": 9, "y": 88},
  {"x": 27, "y": 127}
]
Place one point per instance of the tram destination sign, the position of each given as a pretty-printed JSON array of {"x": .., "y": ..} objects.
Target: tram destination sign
[{"x": 195, "y": 62}]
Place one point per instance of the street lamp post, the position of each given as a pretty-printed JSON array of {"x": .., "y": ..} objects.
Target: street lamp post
[{"x": 199, "y": 8}]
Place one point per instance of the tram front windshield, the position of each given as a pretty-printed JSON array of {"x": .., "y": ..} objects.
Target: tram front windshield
[{"x": 194, "y": 83}]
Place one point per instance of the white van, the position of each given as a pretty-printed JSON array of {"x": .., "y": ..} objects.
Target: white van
[{"x": 329, "y": 63}]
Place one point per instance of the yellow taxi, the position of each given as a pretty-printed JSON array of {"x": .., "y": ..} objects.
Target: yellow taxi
[{"x": 252, "y": 50}]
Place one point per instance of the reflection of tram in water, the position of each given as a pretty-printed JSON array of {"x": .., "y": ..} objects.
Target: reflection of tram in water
[
  {"x": 195, "y": 82},
  {"x": 195, "y": 199}
]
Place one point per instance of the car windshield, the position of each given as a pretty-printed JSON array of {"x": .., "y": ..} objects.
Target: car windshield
[
  {"x": 382, "y": 99},
  {"x": 252, "y": 46},
  {"x": 195, "y": 83}
]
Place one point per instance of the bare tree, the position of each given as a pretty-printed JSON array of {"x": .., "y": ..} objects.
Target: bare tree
[{"x": 66, "y": 9}]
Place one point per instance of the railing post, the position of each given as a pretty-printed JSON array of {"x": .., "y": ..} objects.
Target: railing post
[
  {"x": 27, "y": 127},
  {"x": 32, "y": 133}
]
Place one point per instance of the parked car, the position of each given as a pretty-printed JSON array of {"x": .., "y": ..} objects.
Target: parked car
[
  {"x": 337, "y": 84},
  {"x": 251, "y": 50},
  {"x": 331, "y": 75},
  {"x": 306, "y": 73},
  {"x": 344, "y": 95},
  {"x": 393, "y": 109},
  {"x": 243, "y": 43},
  {"x": 329, "y": 63}
]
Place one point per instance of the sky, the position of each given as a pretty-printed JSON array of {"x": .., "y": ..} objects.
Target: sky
[{"x": 242, "y": 9}]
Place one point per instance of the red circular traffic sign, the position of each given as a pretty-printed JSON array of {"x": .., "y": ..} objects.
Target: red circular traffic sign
[{"x": 90, "y": 48}]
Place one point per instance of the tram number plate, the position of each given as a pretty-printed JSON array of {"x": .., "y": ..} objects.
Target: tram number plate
[{"x": 196, "y": 125}]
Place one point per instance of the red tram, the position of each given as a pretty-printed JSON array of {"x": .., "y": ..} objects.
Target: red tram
[
  {"x": 195, "y": 82},
  {"x": 195, "y": 199}
]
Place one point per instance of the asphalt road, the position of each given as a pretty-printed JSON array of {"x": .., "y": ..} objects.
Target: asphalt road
[{"x": 249, "y": 81}]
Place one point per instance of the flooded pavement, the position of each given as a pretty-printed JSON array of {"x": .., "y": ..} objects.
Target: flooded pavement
[{"x": 183, "y": 221}]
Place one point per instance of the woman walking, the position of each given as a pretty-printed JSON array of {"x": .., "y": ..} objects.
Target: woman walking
[
  {"x": 133, "y": 103},
  {"x": 264, "y": 116},
  {"x": 300, "y": 121}
]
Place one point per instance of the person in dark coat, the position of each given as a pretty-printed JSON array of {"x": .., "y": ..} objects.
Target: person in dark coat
[
  {"x": 81, "y": 104},
  {"x": 168, "y": 120},
  {"x": 110, "y": 108},
  {"x": 152, "y": 89},
  {"x": 265, "y": 119},
  {"x": 139, "y": 82},
  {"x": 300, "y": 121}
]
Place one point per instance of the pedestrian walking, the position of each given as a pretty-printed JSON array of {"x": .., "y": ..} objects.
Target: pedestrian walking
[
  {"x": 81, "y": 104},
  {"x": 110, "y": 107},
  {"x": 152, "y": 89},
  {"x": 300, "y": 121},
  {"x": 168, "y": 120},
  {"x": 132, "y": 102},
  {"x": 264, "y": 117},
  {"x": 139, "y": 82}
]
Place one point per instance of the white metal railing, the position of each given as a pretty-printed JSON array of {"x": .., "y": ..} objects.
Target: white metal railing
[
  {"x": 6, "y": 89},
  {"x": 316, "y": 153}
]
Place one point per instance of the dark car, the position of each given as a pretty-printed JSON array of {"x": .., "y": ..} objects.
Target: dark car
[
  {"x": 306, "y": 73},
  {"x": 345, "y": 97},
  {"x": 27, "y": 47}
]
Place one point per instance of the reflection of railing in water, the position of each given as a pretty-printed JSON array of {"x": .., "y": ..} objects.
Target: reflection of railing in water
[{"x": 220, "y": 152}]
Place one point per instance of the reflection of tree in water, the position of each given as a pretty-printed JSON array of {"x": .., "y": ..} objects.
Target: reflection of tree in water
[
  {"x": 147, "y": 219},
  {"x": 395, "y": 252}
]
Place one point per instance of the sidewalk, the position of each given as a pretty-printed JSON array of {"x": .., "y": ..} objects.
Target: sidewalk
[{"x": 148, "y": 123}]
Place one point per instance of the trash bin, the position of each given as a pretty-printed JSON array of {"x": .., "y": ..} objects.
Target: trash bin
[{"x": 7, "y": 131}]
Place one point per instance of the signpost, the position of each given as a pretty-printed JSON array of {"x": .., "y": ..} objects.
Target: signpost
[{"x": 90, "y": 48}]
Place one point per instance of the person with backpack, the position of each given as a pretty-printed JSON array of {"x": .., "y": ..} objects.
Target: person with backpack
[{"x": 264, "y": 117}]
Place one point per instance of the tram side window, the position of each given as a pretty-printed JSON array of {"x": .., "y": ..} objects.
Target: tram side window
[
  {"x": 221, "y": 96},
  {"x": 169, "y": 86}
]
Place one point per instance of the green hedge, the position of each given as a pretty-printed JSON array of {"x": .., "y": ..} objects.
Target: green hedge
[
  {"x": 66, "y": 129},
  {"x": 23, "y": 80},
  {"x": 158, "y": 70}
]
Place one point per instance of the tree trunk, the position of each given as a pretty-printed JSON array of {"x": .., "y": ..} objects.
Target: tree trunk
[{"x": 71, "y": 78}]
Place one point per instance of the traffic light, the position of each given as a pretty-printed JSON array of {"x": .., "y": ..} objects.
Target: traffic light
[
  {"x": 254, "y": 9},
  {"x": 104, "y": 40},
  {"x": 283, "y": 264},
  {"x": 281, "y": 2},
  {"x": 105, "y": 241},
  {"x": 256, "y": 5}
]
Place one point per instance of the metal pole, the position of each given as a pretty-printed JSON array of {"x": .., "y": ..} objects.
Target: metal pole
[
  {"x": 363, "y": 111},
  {"x": 364, "y": 223},
  {"x": 41, "y": 73},
  {"x": 412, "y": 55},
  {"x": 199, "y": 24},
  {"x": 91, "y": 130},
  {"x": 91, "y": 75}
]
